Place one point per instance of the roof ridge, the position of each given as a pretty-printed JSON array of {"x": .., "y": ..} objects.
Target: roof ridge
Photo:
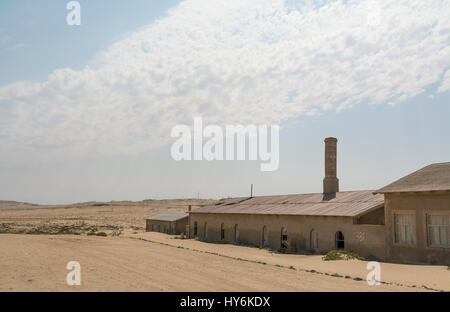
[
  {"x": 306, "y": 202},
  {"x": 438, "y": 163},
  {"x": 294, "y": 194}
]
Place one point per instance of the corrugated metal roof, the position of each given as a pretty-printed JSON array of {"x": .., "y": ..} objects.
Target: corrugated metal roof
[
  {"x": 168, "y": 216},
  {"x": 435, "y": 177},
  {"x": 348, "y": 204}
]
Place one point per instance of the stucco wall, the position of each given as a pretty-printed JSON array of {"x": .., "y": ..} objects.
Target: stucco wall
[
  {"x": 180, "y": 225},
  {"x": 366, "y": 240},
  {"x": 373, "y": 217},
  {"x": 418, "y": 204}
]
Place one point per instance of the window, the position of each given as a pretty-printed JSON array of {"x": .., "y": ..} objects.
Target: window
[
  {"x": 314, "y": 237},
  {"x": 195, "y": 228},
  {"x": 222, "y": 231},
  {"x": 438, "y": 232},
  {"x": 236, "y": 233},
  {"x": 265, "y": 236},
  {"x": 284, "y": 238},
  {"x": 340, "y": 242},
  {"x": 404, "y": 229},
  {"x": 205, "y": 231}
]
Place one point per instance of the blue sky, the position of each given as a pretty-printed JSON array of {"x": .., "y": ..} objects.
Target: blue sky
[
  {"x": 86, "y": 111},
  {"x": 35, "y": 39}
]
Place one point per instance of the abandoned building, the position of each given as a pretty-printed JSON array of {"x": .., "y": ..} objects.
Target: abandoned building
[
  {"x": 417, "y": 214},
  {"x": 170, "y": 222},
  {"x": 407, "y": 221}
]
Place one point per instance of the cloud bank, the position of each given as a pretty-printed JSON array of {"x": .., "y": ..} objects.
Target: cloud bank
[{"x": 230, "y": 62}]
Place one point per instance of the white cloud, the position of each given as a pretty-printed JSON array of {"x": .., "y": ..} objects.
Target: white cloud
[
  {"x": 230, "y": 62},
  {"x": 445, "y": 85}
]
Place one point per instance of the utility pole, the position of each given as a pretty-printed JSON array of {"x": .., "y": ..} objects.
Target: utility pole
[{"x": 251, "y": 191}]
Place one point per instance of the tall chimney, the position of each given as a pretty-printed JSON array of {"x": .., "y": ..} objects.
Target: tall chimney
[{"x": 330, "y": 182}]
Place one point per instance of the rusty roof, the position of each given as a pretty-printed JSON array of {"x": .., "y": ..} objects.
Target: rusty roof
[
  {"x": 347, "y": 204},
  {"x": 435, "y": 177}
]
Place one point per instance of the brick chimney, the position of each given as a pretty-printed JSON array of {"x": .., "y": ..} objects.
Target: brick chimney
[{"x": 330, "y": 182}]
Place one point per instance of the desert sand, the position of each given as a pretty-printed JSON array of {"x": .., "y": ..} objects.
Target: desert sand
[{"x": 129, "y": 259}]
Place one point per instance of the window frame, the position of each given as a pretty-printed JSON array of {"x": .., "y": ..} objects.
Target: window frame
[
  {"x": 427, "y": 220},
  {"x": 222, "y": 231},
  {"x": 394, "y": 230}
]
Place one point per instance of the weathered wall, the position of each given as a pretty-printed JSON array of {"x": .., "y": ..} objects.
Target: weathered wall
[
  {"x": 299, "y": 231},
  {"x": 158, "y": 226},
  {"x": 373, "y": 217},
  {"x": 180, "y": 226},
  {"x": 169, "y": 227},
  {"x": 369, "y": 241},
  {"x": 418, "y": 204}
]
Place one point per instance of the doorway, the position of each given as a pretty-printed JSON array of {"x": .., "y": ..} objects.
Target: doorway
[{"x": 340, "y": 243}]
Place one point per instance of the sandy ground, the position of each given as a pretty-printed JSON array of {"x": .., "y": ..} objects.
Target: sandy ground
[
  {"x": 38, "y": 263},
  {"x": 428, "y": 277},
  {"x": 129, "y": 259}
]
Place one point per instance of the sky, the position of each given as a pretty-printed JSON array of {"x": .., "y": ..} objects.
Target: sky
[{"x": 86, "y": 112}]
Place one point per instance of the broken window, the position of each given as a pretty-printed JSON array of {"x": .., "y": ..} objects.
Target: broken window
[
  {"x": 340, "y": 240},
  {"x": 195, "y": 228},
  {"x": 284, "y": 238},
  {"x": 222, "y": 232}
]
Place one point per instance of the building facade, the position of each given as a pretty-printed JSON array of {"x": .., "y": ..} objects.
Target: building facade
[
  {"x": 406, "y": 221},
  {"x": 311, "y": 234},
  {"x": 417, "y": 209}
]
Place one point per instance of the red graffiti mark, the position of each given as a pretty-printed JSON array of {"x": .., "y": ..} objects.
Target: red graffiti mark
[{"x": 361, "y": 236}]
